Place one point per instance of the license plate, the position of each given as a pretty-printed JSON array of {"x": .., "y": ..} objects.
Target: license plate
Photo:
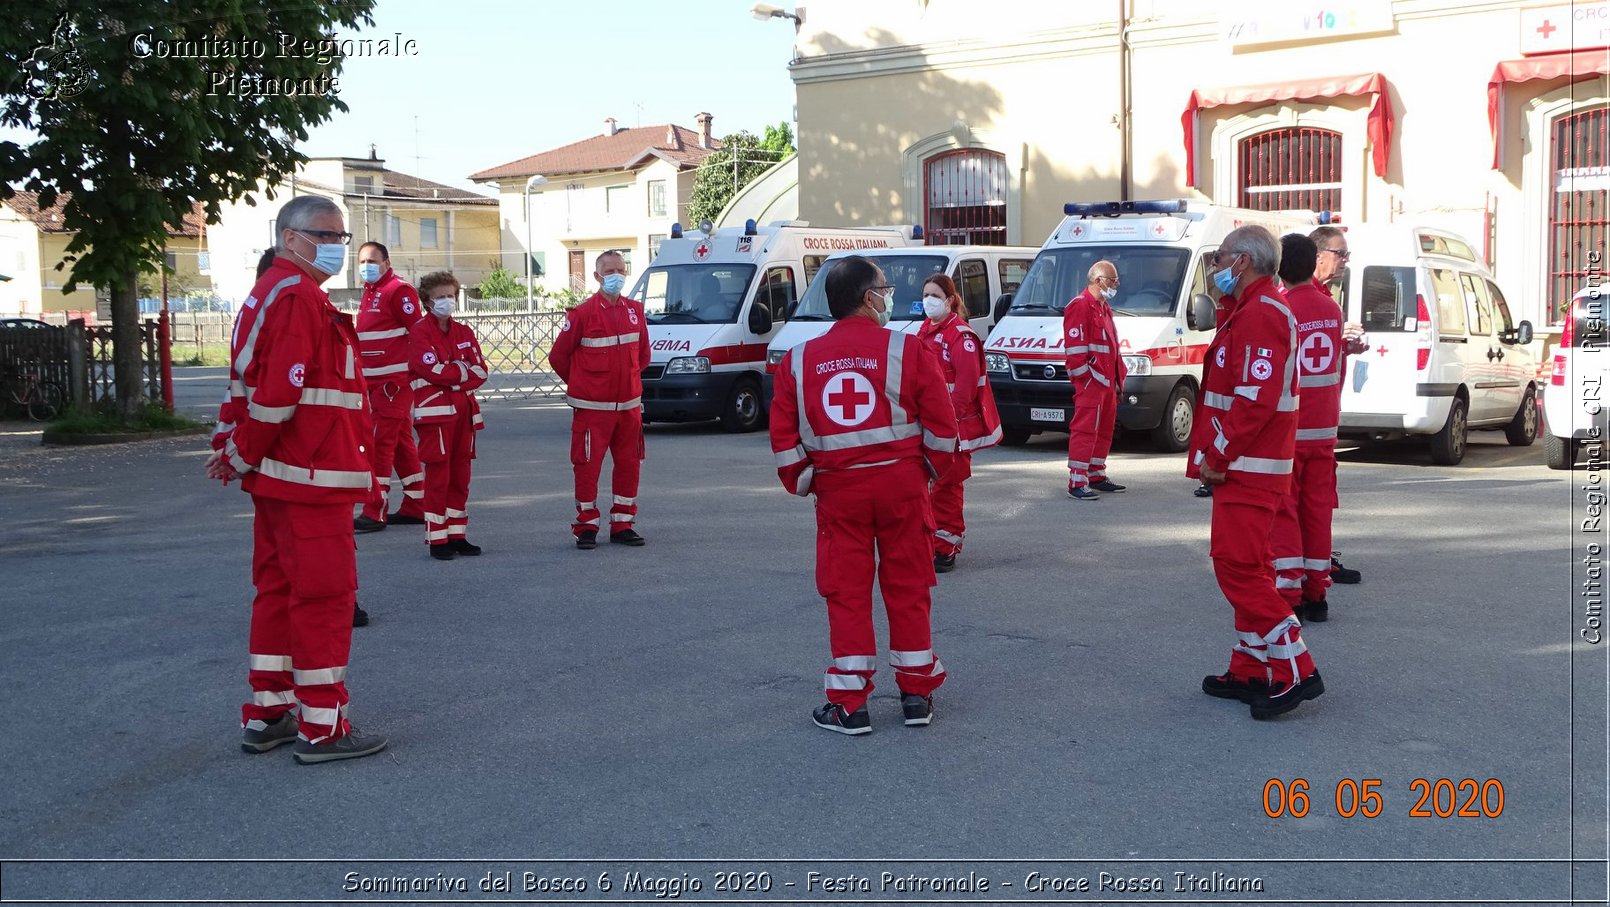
[{"x": 1048, "y": 415}]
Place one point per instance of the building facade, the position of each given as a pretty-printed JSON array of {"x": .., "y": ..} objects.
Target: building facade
[{"x": 1484, "y": 117}]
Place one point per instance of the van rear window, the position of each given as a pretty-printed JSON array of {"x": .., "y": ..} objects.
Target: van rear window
[{"x": 1386, "y": 299}]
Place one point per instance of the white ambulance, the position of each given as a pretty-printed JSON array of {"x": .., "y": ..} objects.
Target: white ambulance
[
  {"x": 983, "y": 275},
  {"x": 713, "y": 299},
  {"x": 1164, "y": 312}
]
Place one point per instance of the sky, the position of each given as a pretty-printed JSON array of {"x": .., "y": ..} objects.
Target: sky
[{"x": 497, "y": 81}]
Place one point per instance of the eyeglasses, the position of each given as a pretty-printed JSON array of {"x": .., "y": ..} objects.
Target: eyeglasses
[
  {"x": 1220, "y": 256},
  {"x": 1111, "y": 280},
  {"x": 882, "y": 287},
  {"x": 1342, "y": 254},
  {"x": 329, "y": 236}
]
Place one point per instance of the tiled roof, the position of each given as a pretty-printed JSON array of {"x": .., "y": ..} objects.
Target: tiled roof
[
  {"x": 404, "y": 186},
  {"x": 621, "y": 151},
  {"x": 49, "y": 220}
]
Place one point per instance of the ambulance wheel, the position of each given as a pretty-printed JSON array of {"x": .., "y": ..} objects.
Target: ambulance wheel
[
  {"x": 1561, "y": 452},
  {"x": 1173, "y": 433},
  {"x": 743, "y": 412},
  {"x": 1522, "y": 430},
  {"x": 1448, "y": 444},
  {"x": 1015, "y": 437}
]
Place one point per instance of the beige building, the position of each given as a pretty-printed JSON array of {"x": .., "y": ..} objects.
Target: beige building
[
  {"x": 1486, "y": 117},
  {"x": 33, "y": 241},
  {"x": 426, "y": 226},
  {"x": 619, "y": 190}
]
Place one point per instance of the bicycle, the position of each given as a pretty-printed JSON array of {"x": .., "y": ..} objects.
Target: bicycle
[{"x": 43, "y": 400}]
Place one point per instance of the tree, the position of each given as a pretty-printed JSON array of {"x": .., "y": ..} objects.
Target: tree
[
  {"x": 500, "y": 284},
  {"x": 130, "y": 136},
  {"x": 741, "y": 158}
]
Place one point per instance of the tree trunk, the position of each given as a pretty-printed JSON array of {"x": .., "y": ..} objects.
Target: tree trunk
[{"x": 127, "y": 349}]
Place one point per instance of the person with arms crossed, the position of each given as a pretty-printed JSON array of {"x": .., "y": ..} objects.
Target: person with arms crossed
[{"x": 447, "y": 367}]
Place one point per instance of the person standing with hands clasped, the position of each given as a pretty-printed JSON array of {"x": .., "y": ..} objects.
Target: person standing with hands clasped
[
  {"x": 961, "y": 361},
  {"x": 601, "y": 353},
  {"x": 388, "y": 309},
  {"x": 447, "y": 366},
  {"x": 861, "y": 418},
  {"x": 296, "y": 430},
  {"x": 1090, "y": 342},
  {"x": 1242, "y": 445}
]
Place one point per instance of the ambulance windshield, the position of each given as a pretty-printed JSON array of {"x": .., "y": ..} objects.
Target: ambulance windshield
[
  {"x": 906, "y": 273},
  {"x": 1149, "y": 279},
  {"x": 694, "y": 294}
]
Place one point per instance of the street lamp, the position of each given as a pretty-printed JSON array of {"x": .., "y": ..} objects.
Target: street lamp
[
  {"x": 765, "y": 11},
  {"x": 536, "y": 179}
]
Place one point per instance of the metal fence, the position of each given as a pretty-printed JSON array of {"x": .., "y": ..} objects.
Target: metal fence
[{"x": 78, "y": 359}]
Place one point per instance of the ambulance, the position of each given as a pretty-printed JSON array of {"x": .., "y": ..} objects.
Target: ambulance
[
  {"x": 985, "y": 278},
  {"x": 1164, "y": 312},
  {"x": 713, "y": 298}
]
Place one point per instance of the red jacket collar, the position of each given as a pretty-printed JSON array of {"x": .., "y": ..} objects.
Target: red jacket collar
[{"x": 288, "y": 264}]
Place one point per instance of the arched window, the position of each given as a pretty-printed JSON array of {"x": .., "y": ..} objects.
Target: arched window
[
  {"x": 1291, "y": 169},
  {"x": 1579, "y": 221},
  {"x": 965, "y": 193}
]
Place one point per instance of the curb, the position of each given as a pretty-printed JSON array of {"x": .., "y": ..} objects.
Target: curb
[{"x": 73, "y": 439}]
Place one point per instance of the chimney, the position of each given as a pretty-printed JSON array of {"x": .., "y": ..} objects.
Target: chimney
[
  {"x": 703, "y": 120},
  {"x": 610, "y": 123}
]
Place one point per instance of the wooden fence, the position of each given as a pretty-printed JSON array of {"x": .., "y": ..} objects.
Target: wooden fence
[{"x": 78, "y": 359}]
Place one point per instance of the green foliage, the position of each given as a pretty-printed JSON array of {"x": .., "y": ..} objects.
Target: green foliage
[
  {"x": 500, "y": 284},
  {"x": 104, "y": 420},
  {"x": 741, "y": 158}
]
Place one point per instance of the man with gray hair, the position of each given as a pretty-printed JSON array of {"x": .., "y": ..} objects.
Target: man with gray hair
[
  {"x": 295, "y": 431},
  {"x": 1243, "y": 445},
  {"x": 1090, "y": 343}
]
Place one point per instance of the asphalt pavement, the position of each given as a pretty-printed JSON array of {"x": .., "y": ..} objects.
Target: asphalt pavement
[{"x": 597, "y": 707}]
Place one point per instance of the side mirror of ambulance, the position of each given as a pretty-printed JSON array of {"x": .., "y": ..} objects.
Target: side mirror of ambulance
[
  {"x": 759, "y": 319},
  {"x": 1002, "y": 303},
  {"x": 1523, "y": 333},
  {"x": 1201, "y": 316}
]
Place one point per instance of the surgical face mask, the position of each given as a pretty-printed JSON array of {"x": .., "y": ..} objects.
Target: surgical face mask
[
  {"x": 369, "y": 271},
  {"x": 443, "y": 306},
  {"x": 1225, "y": 280},
  {"x": 1108, "y": 293},
  {"x": 934, "y": 307},
  {"x": 329, "y": 257},
  {"x": 614, "y": 283},
  {"x": 884, "y": 313}
]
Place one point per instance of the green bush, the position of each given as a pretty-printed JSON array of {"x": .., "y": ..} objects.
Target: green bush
[{"x": 102, "y": 419}]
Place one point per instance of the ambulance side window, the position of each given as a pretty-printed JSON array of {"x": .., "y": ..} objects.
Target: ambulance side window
[
  {"x": 813, "y": 263},
  {"x": 1012, "y": 273},
  {"x": 1450, "y": 301},
  {"x": 1200, "y": 285},
  {"x": 777, "y": 293},
  {"x": 973, "y": 284},
  {"x": 1479, "y": 307}
]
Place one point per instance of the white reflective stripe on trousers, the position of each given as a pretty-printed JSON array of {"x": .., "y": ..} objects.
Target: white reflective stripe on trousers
[
  {"x": 1288, "y": 582},
  {"x": 950, "y": 537},
  {"x": 911, "y": 658},
  {"x": 269, "y": 662},
  {"x": 1316, "y": 434},
  {"x": 319, "y": 676},
  {"x": 856, "y": 663},
  {"x": 843, "y": 682},
  {"x": 269, "y": 698},
  {"x": 624, "y": 502},
  {"x": 1316, "y": 563},
  {"x": 1288, "y": 563}
]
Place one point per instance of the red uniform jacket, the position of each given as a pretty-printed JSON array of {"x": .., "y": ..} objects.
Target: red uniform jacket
[
  {"x": 447, "y": 368},
  {"x": 961, "y": 360},
  {"x": 859, "y": 396},
  {"x": 1090, "y": 342},
  {"x": 389, "y": 308},
  {"x": 1246, "y": 415},
  {"x": 601, "y": 354},
  {"x": 1320, "y": 355},
  {"x": 296, "y": 424}
]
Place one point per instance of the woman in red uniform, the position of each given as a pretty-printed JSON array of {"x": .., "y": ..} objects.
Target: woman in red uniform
[
  {"x": 447, "y": 366},
  {"x": 961, "y": 358}
]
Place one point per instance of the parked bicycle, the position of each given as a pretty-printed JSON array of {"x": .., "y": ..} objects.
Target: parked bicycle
[{"x": 42, "y": 400}]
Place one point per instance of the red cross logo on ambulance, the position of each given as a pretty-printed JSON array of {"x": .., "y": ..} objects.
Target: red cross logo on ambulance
[
  {"x": 847, "y": 398},
  {"x": 298, "y": 374},
  {"x": 701, "y": 251},
  {"x": 1261, "y": 369},
  {"x": 1317, "y": 354}
]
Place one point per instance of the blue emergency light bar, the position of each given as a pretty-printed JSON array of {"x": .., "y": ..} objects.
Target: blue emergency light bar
[
  {"x": 749, "y": 227},
  {"x": 1113, "y": 209},
  {"x": 916, "y": 231},
  {"x": 676, "y": 231},
  {"x": 1329, "y": 217}
]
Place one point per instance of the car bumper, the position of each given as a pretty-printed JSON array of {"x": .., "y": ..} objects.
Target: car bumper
[
  {"x": 1425, "y": 416},
  {"x": 1579, "y": 422},
  {"x": 1141, "y": 403},
  {"x": 687, "y": 398}
]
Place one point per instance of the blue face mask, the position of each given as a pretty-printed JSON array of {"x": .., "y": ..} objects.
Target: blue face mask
[
  {"x": 614, "y": 283},
  {"x": 369, "y": 271},
  {"x": 328, "y": 257},
  {"x": 1225, "y": 280}
]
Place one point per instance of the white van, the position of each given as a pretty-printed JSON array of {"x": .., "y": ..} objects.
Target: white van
[
  {"x": 714, "y": 299},
  {"x": 1576, "y": 404},
  {"x": 1445, "y": 355},
  {"x": 983, "y": 276},
  {"x": 1163, "y": 311}
]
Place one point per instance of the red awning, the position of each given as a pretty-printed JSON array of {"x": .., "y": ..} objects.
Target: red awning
[
  {"x": 1579, "y": 64},
  {"x": 1380, "y": 118}
]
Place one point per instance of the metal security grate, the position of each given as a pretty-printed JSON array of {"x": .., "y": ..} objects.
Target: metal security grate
[
  {"x": 516, "y": 346},
  {"x": 965, "y": 192},
  {"x": 1291, "y": 169},
  {"x": 1579, "y": 221}
]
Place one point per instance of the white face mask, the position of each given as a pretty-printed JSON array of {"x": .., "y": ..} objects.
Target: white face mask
[
  {"x": 934, "y": 307},
  {"x": 443, "y": 306},
  {"x": 884, "y": 313},
  {"x": 1108, "y": 293}
]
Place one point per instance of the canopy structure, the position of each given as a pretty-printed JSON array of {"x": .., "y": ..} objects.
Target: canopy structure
[{"x": 1580, "y": 64}]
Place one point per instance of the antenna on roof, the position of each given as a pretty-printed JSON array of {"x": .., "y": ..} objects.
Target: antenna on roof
[{"x": 416, "y": 144}]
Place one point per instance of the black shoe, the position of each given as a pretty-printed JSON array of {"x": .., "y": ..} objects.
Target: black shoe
[
  {"x": 832, "y": 717},
  {"x": 1313, "y": 612},
  {"x": 402, "y": 519},
  {"x": 944, "y": 563},
  {"x": 261, "y": 740},
  {"x": 1226, "y": 687},
  {"x": 365, "y": 524},
  {"x": 1203, "y": 490},
  {"x": 627, "y": 537},
  {"x": 1082, "y": 493},
  {"x": 461, "y": 545},
  {"x": 1343, "y": 575},
  {"x": 1288, "y": 697},
  {"x": 360, "y": 617},
  {"x": 443, "y": 552},
  {"x": 919, "y": 709},
  {"x": 353, "y": 746},
  {"x": 1108, "y": 485},
  {"x": 587, "y": 540}
]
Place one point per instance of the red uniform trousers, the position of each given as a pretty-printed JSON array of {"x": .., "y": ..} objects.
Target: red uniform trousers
[
  {"x": 1269, "y": 646},
  {"x": 951, "y": 527},
  {"x": 1301, "y": 537},
  {"x": 620, "y": 434},
  {"x": 394, "y": 446},
  {"x": 305, "y": 568},
  {"x": 447, "y": 449},
  {"x": 881, "y": 508},
  {"x": 1095, "y": 408}
]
